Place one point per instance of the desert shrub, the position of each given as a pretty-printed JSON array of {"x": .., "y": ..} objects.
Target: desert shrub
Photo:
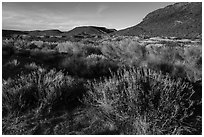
[
  {"x": 176, "y": 70},
  {"x": 20, "y": 43},
  {"x": 142, "y": 101},
  {"x": 8, "y": 51},
  {"x": 93, "y": 66},
  {"x": 31, "y": 66},
  {"x": 96, "y": 57},
  {"x": 99, "y": 66},
  {"x": 40, "y": 90},
  {"x": 7, "y": 42},
  {"x": 38, "y": 54},
  {"x": 13, "y": 63},
  {"x": 74, "y": 65},
  {"x": 32, "y": 46},
  {"x": 52, "y": 45},
  {"x": 12, "y": 93},
  {"x": 40, "y": 103},
  {"x": 193, "y": 53},
  {"x": 71, "y": 48},
  {"x": 127, "y": 52},
  {"x": 193, "y": 62},
  {"x": 177, "y": 61},
  {"x": 39, "y": 43},
  {"x": 169, "y": 54},
  {"x": 77, "y": 49},
  {"x": 44, "y": 56},
  {"x": 91, "y": 49}
]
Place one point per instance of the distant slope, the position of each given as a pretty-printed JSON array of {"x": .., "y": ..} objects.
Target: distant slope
[
  {"x": 45, "y": 33},
  {"x": 88, "y": 30},
  {"x": 9, "y": 33},
  {"x": 179, "y": 19},
  {"x": 76, "y": 31}
]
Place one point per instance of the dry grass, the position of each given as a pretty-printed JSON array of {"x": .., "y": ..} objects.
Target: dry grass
[
  {"x": 142, "y": 101},
  {"x": 128, "y": 88}
]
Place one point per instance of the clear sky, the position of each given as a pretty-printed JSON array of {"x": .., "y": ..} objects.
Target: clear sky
[{"x": 66, "y": 16}]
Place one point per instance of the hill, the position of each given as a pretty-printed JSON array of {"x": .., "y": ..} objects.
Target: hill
[
  {"x": 177, "y": 20},
  {"x": 88, "y": 30},
  {"x": 45, "y": 33},
  {"x": 9, "y": 33},
  {"x": 83, "y": 30}
]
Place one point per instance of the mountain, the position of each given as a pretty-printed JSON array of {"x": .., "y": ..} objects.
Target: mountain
[
  {"x": 44, "y": 33},
  {"x": 84, "y": 30},
  {"x": 88, "y": 30},
  {"x": 177, "y": 20}
]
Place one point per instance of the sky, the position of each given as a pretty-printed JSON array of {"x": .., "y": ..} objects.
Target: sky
[{"x": 67, "y": 15}]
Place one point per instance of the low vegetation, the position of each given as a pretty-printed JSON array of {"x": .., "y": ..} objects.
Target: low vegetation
[
  {"x": 113, "y": 85},
  {"x": 142, "y": 101}
]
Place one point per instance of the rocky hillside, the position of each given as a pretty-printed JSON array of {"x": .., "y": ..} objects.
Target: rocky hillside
[{"x": 177, "y": 20}]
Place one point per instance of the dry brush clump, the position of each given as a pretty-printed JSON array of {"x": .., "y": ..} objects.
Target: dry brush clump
[
  {"x": 127, "y": 52},
  {"x": 92, "y": 66},
  {"x": 40, "y": 90},
  {"x": 179, "y": 61},
  {"x": 78, "y": 48},
  {"x": 184, "y": 62},
  {"x": 99, "y": 66},
  {"x": 40, "y": 102},
  {"x": 193, "y": 62},
  {"x": 142, "y": 101},
  {"x": 91, "y": 49},
  {"x": 68, "y": 47}
]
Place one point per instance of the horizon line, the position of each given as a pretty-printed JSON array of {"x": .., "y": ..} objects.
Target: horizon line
[{"x": 67, "y": 30}]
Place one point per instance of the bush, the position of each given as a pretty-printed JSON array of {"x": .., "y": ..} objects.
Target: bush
[
  {"x": 74, "y": 65},
  {"x": 91, "y": 49},
  {"x": 31, "y": 66},
  {"x": 193, "y": 63},
  {"x": 142, "y": 101},
  {"x": 93, "y": 66},
  {"x": 13, "y": 63},
  {"x": 38, "y": 43},
  {"x": 183, "y": 62},
  {"x": 39, "y": 90},
  {"x": 99, "y": 66},
  {"x": 7, "y": 51},
  {"x": 126, "y": 52},
  {"x": 71, "y": 48}
]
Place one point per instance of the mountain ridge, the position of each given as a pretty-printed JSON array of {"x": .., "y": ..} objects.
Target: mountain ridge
[
  {"x": 55, "y": 32},
  {"x": 178, "y": 20}
]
